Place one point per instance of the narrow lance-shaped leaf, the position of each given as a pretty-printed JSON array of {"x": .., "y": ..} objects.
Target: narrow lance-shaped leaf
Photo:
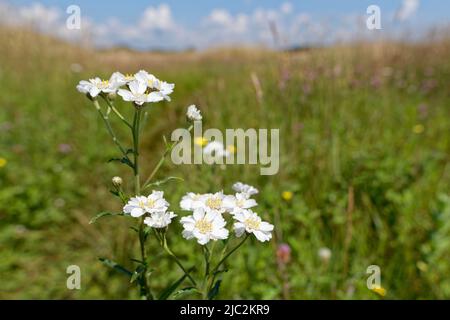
[
  {"x": 114, "y": 265},
  {"x": 104, "y": 214},
  {"x": 170, "y": 289}
]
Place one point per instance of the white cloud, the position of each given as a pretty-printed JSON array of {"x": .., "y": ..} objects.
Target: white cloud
[
  {"x": 287, "y": 8},
  {"x": 156, "y": 27},
  {"x": 407, "y": 9},
  {"x": 159, "y": 18},
  {"x": 221, "y": 18}
]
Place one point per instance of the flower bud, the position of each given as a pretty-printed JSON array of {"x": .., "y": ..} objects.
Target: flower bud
[
  {"x": 324, "y": 254},
  {"x": 284, "y": 253},
  {"x": 112, "y": 95},
  {"x": 193, "y": 114},
  {"x": 117, "y": 182}
]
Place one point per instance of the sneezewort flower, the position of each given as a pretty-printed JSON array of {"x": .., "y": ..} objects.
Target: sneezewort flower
[
  {"x": 238, "y": 202},
  {"x": 248, "y": 221},
  {"x": 140, "y": 205},
  {"x": 192, "y": 201},
  {"x": 160, "y": 90},
  {"x": 204, "y": 225},
  {"x": 193, "y": 114},
  {"x": 95, "y": 86},
  {"x": 159, "y": 219},
  {"x": 137, "y": 93},
  {"x": 216, "y": 148},
  {"x": 244, "y": 188},
  {"x": 136, "y": 206},
  {"x": 214, "y": 201}
]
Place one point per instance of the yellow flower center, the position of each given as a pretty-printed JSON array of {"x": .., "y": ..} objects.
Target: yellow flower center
[
  {"x": 240, "y": 203},
  {"x": 129, "y": 77},
  {"x": 151, "y": 203},
  {"x": 3, "y": 162},
  {"x": 252, "y": 223},
  {"x": 200, "y": 141},
  {"x": 104, "y": 84},
  {"x": 214, "y": 203},
  {"x": 203, "y": 226}
]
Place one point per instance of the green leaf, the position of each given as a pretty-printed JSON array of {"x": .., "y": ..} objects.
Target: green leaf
[
  {"x": 134, "y": 229},
  {"x": 137, "y": 273},
  {"x": 115, "y": 266},
  {"x": 123, "y": 160},
  {"x": 170, "y": 289},
  {"x": 185, "y": 291},
  {"x": 220, "y": 271},
  {"x": 161, "y": 182},
  {"x": 215, "y": 290},
  {"x": 104, "y": 214},
  {"x": 137, "y": 261}
]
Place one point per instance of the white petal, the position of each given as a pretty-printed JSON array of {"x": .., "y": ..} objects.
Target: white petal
[
  {"x": 125, "y": 94},
  {"x": 137, "y": 212},
  {"x": 262, "y": 236},
  {"x": 265, "y": 226}
]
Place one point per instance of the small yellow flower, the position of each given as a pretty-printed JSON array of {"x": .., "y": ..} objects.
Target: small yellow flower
[
  {"x": 3, "y": 162},
  {"x": 200, "y": 141},
  {"x": 418, "y": 128},
  {"x": 231, "y": 148},
  {"x": 379, "y": 290},
  {"x": 422, "y": 266},
  {"x": 287, "y": 195}
]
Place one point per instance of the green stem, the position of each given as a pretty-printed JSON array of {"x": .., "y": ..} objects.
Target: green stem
[
  {"x": 137, "y": 188},
  {"x": 161, "y": 161},
  {"x": 118, "y": 114},
  {"x": 214, "y": 272},
  {"x": 110, "y": 129},
  {"x": 230, "y": 253},
  {"x": 177, "y": 261}
]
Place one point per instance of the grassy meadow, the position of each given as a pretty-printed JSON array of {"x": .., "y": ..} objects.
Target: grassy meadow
[{"x": 364, "y": 148}]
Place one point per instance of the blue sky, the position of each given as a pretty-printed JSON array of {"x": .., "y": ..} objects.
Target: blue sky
[{"x": 202, "y": 23}]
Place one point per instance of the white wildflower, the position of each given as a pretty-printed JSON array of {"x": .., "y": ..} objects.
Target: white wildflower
[
  {"x": 239, "y": 202},
  {"x": 95, "y": 86},
  {"x": 136, "y": 206},
  {"x": 192, "y": 201},
  {"x": 205, "y": 225},
  {"x": 244, "y": 188},
  {"x": 248, "y": 221},
  {"x": 214, "y": 201},
  {"x": 161, "y": 89},
  {"x": 136, "y": 94},
  {"x": 139, "y": 205},
  {"x": 159, "y": 219},
  {"x": 193, "y": 114},
  {"x": 216, "y": 148}
]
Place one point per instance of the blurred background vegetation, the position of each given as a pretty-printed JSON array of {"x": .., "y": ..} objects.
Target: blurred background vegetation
[{"x": 365, "y": 152}]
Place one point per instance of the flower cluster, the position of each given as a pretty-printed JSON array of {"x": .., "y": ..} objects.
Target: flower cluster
[
  {"x": 139, "y": 88},
  {"x": 153, "y": 206},
  {"x": 207, "y": 221}
]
